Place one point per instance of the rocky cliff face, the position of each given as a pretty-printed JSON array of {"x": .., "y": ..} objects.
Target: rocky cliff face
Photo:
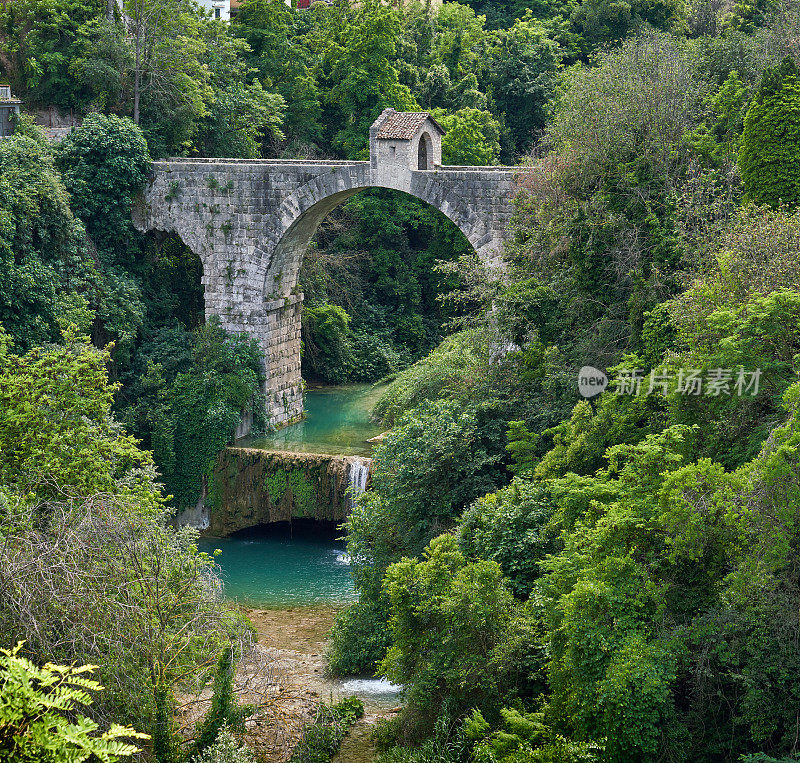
[{"x": 250, "y": 487}]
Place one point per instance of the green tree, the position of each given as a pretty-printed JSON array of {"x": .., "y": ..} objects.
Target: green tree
[
  {"x": 40, "y": 39},
  {"x": 510, "y": 527},
  {"x": 60, "y": 437},
  {"x": 282, "y": 63},
  {"x": 167, "y": 49},
  {"x": 728, "y": 105},
  {"x": 104, "y": 164},
  {"x": 83, "y": 520},
  {"x": 327, "y": 352},
  {"x": 473, "y": 137},
  {"x": 597, "y": 219},
  {"x": 447, "y": 619},
  {"x": 103, "y": 65},
  {"x": 603, "y": 22},
  {"x": 771, "y": 139},
  {"x": 358, "y": 64},
  {"x": 45, "y": 270},
  {"x": 432, "y": 464},
  {"x": 524, "y": 63},
  {"x": 242, "y": 115}
]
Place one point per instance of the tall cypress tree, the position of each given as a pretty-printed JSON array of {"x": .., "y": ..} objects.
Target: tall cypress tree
[{"x": 769, "y": 159}]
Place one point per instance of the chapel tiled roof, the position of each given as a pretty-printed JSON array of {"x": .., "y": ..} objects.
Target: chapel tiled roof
[{"x": 402, "y": 125}]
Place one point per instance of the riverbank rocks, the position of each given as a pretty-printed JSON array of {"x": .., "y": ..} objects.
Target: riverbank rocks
[{"x": 250, "y": 487}]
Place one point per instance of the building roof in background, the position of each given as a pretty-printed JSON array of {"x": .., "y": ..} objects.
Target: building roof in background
[{"x": 403, "y": 125}]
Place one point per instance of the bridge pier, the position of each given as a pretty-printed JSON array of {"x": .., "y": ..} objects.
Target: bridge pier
[
  {"x": 250, "y": 223},
  {"x": 280, "y": 341}
]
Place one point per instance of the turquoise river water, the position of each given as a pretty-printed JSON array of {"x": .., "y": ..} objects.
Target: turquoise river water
[
  {"x": 279, "y": 567},
  {"x": 273, "y": 568},
  {"x": 337, "y": 422}
]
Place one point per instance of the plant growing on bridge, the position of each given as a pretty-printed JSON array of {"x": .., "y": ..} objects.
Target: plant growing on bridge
[{"x": 204, "y": 403}]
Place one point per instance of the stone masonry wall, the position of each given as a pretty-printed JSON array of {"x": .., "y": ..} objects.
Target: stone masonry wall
[{"x": 250, "y": 222}]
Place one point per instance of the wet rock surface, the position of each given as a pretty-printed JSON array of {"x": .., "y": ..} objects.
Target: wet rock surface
[{"x": 251, "y": 487}]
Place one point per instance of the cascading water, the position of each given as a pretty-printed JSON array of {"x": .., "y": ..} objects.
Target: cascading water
[{"x": 358, "y": 475}]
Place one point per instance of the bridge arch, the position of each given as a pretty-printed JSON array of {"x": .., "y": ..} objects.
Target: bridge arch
[
  {"x": 424, "y": 152},
  {"x": 301, "y": 213},
  {"x": 251, "y": 221}
]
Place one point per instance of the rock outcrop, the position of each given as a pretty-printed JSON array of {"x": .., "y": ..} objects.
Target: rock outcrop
[{"x": 250, "y": 487}]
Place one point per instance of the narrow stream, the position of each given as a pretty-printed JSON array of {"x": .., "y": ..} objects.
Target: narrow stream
[
  {"x": 297, "y": 574},
  {"x": 294, "y": 578}
]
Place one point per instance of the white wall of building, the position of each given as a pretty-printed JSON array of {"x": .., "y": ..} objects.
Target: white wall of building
[{"x": 220, "y": 9}]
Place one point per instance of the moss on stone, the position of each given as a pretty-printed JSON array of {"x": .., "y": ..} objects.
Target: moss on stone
[
  {"x": 275, "y": 484},
  {"x": 249, "y": 487},
  {"x": 304, "y": 494}
]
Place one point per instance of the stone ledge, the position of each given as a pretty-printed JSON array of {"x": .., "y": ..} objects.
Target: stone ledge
[
  {"x": 251, "y": 486},
  {"x": 280, "y": 303}
]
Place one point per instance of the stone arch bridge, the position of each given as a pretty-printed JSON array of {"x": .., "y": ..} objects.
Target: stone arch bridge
[{"x": 251, "y": 221}]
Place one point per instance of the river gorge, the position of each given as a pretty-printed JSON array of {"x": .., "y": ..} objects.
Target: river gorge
[
  {"x": 271, "y": 515},
  {"x": 311, "y": 470}
]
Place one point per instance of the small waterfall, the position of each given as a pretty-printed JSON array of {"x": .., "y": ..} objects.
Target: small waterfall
[
  {"x": 358, "y": 474},
  {"x": 370, "y": 686}
]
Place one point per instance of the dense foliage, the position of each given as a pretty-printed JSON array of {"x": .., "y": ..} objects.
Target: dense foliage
[
  {"x": 82, "y": 521},
  {"x": 553, "y": 579},
  {"x": 771, "y": 136},
  {"x": 322, "y": 738},
  {"x": 611, "y": 602}
]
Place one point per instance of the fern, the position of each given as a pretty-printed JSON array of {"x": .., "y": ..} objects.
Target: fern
[{"x": 40, "y": 720}]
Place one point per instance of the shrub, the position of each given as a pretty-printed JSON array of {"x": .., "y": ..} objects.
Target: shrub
[
  {"x": 224, "y": 712},
  {"x": 326, "y": 342},
  {"x": 450, "y": 371},
  {"x": 466, "y": 608},
  {"x": 359, "y": 639},
  {"x": 386, "y": 732},
  {"x": 447, "y": 744},
  {"x": 373, "y": 357},
  {"x": 322, "y": 738},
  {"x": 770, "y": 150},
  {"x": 201, "y": 408},
  {"x": 225, "y": 749},
  {"x": 510, "y": 528}
]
